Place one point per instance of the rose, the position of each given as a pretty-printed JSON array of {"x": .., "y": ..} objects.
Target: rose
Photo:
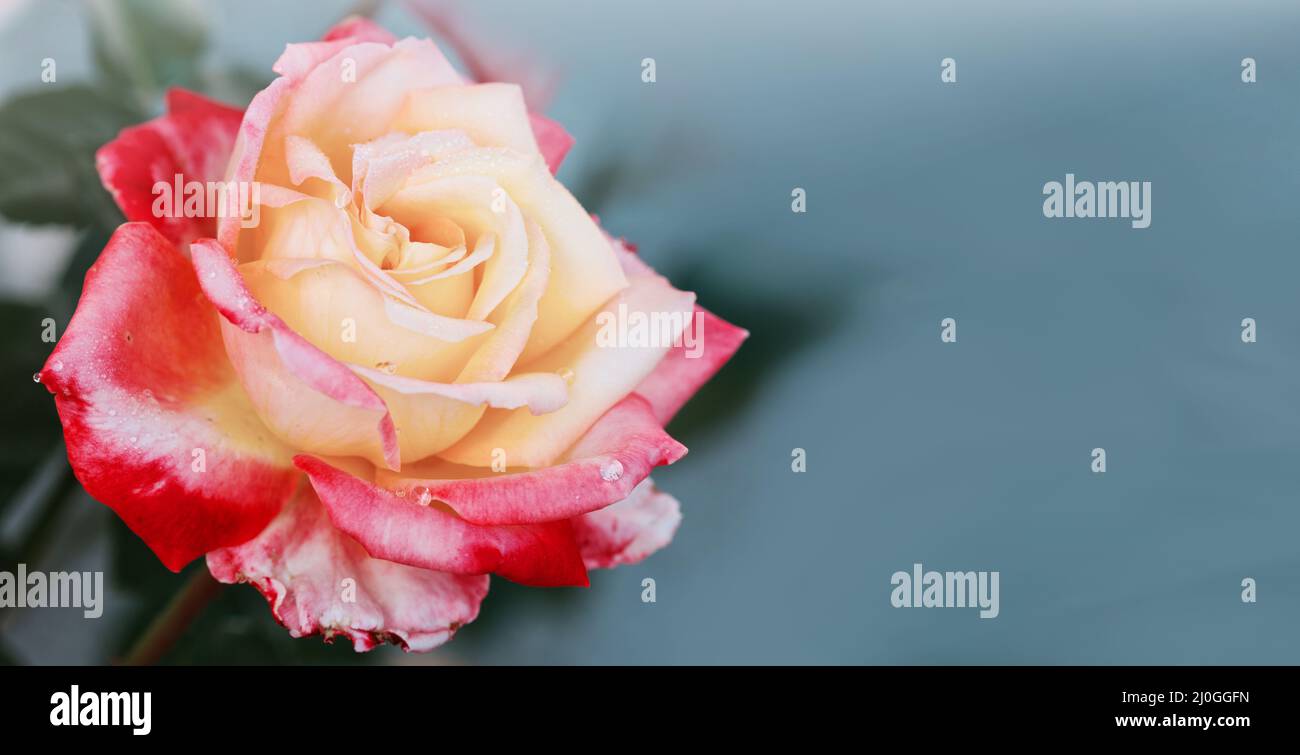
[{"x": 389, "y": 385}]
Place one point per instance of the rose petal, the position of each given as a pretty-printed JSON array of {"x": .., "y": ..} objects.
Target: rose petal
[
  {"x": 318, "y": 580},
  {"x": 552, "y": 139},
  {"x": 353, "y": 96},
  {"x": 312, "y": 98},
  {"x": 707, "y": 344},
  {"x": 402, "y": 530},
  {"x": 179, "y": 100},
  {"x": 483, "y": 210},
  {"x": 307, "y": 398},
  {"x": 603, "y": 373},
  {"x": 247, "y": 152},
  {"x": 515, "y": 317},
  {"x": 334, "y": 308},
  {"x": 492, "y": 115},
  {"x": 687, "y": 368},
  {"x": 430, "y": 416},
  {"x": 630, "y": 530},
  {"x": 306, "y": 161},
  {"x": 359, "y": 29},
  {"x": 484, "y": 60},
  {"x": 156, "y": 423},
  {"x": 194, "y": 140},
  {"x": 615, "y": 455},
  {"x": 585, "y": 273}
]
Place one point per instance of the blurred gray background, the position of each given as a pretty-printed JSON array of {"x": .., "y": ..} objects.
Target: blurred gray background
[{"x": 924, "y": 202}]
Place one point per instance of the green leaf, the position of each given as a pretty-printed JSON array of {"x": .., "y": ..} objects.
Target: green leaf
[
  {"x": 48, "y": 139},
  {"x": 144, "y": 46}
]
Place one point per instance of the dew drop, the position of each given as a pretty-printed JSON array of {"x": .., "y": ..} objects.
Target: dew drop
[
  {"x": 36, "y": 377},
  {"x": 612, "y": 471}
]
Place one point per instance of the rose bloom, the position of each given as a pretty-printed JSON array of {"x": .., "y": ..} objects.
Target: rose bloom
[{"x": 389, "y": 386}]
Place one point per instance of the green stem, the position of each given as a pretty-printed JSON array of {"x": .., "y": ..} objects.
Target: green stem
[{"x": 169, "y": 625}]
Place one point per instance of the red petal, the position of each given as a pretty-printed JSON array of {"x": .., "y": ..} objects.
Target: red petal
[
  {"x": 318, "y": 580},
  {"x": 629, "y": 530},
  {"x": 616, "y": 453},
  {"x": 401, "y": 530},
  {"x": 142, "y": 383},
  {"x": 684, "y": 370},
  {"x": 359, "y": 29},
  {"x": 180, "y": 100},
  {"x": 194, "y": 139},
  {"x": 552, "y": 140}
]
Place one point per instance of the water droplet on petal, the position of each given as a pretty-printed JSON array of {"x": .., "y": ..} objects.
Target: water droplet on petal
[
  {"x": 36, "y": 377},
  {"x": 612, "y": 471}
]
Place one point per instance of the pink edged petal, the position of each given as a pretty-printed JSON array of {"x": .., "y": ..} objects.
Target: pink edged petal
[
  {"x": 429, "y": 537},
  {"x": 615, "y": 455},
  {"x": 318, "y": 580},
  {"x": 630, "y": 530},
  {"x": 359, "y": 29},
  {"x": 707, "y": 343},
  {"x": 553, "y": 141},
  {"x": 486, "y": 67},
  {"x": 306, "y": 397},
  {"x": 485, "y": 60},
  {"x": 193, "y": 140},
  {"x": 157, "y": 426},
  {"x": 249, "y": 141},
  {"x": 606, "y": 359},
  {"x": 687, "y": 368}
]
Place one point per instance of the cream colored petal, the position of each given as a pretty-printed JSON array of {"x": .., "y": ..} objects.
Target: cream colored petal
[
  {"x": 339, "y": 312},
  {"x": 584, "y": 270},
  {"x": 494, "y": 114},
  {"x": 430, "y": 416},
  {"x": 515, "y": 318},
  {"x": 309, "y": 166},
  {"x": 479, "y": 206},
  {"x": 336, "y": 110},
  {"x": 603, "y": 369},
  {"x": 293, "y": 224}
]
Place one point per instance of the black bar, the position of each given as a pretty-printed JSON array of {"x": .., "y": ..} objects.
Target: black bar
[{"x": 317, "y": 703}]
